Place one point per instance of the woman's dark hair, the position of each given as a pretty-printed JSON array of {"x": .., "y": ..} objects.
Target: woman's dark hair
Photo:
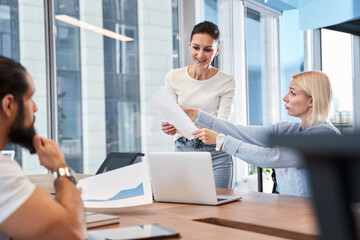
[
  {"x": 206, "y": 27},
  {"x": 12, "y": 79}
]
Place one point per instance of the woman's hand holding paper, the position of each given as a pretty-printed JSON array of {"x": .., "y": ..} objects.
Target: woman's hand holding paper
[{"x": 168, "y": 128}]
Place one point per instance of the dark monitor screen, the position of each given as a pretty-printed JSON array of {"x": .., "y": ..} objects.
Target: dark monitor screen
[{"x": 333, "y": 163}]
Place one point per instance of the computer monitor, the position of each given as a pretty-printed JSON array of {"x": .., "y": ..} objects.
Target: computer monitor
[{"x": 334, "y": 169}]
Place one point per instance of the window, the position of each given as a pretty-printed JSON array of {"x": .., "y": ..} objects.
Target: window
[
  {"x": 22, "y": 39},
  {"x": 336, "y": 59},
  {"x": 103, "y": 80},
  {"x": 261, "y": 67},
  {"x": 111, "y": 56},
  {"x": 249, "y": 51}
]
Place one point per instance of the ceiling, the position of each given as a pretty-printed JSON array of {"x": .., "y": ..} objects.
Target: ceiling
[{"x": 284, "y": 5}]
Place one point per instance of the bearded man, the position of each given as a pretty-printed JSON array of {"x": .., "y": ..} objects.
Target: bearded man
[{"x": 27, "y": 212}]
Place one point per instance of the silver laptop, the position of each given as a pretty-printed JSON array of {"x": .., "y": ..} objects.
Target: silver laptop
[
  {"x": 9, "y": 153},
  {"x": 184, "y": 177}
]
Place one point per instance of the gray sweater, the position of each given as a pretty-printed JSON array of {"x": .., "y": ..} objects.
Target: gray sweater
[{"x": 251, "y": 144}]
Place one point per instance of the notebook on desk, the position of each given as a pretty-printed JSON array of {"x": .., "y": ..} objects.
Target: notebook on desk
[
  {"x": 98, "y": 219},
  {"x": 184, "y": 177}
]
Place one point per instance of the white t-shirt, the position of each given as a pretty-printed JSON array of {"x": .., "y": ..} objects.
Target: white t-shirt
[
  {"x": 15, "y": 188},
  {"x": 214, "y": 95}
]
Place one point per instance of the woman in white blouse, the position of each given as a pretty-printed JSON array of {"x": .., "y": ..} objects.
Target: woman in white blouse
[{"x": 205, "y": 87}]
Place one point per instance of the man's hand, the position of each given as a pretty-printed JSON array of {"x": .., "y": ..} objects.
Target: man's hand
[
  {"x": 206, "y": 135},
  {"x": 191, "y": 112},
  {"x": 168, "y": 128},
  {"x": 49, "y": 153}
]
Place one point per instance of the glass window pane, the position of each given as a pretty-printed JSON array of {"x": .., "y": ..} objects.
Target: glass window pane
[
  {"x": 260, "y": 67},
  {"x": 22, "y": 39},
  {"x": 67, "y": 43},
  {"x": 111, "y": 56},
  {"x": 261, "y": 81},
  {"x": 211, "y": 11},
  {"x": 337, "y": 64}
]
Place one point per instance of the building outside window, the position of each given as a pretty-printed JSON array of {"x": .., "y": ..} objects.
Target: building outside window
[
  {"x": 9, "y": 44},
  {"x": 336, "y": 59},
  {"x": 110, "y": 57}
]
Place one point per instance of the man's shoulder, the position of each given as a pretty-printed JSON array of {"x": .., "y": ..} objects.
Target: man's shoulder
[
  {"x": 6, "y": 161},
  {"x": 15, "y": 187}
]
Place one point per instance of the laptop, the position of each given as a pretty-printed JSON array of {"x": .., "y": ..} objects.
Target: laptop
[
  {"x": 9, "y": 153},
  {"x": 184, "y": 177}
]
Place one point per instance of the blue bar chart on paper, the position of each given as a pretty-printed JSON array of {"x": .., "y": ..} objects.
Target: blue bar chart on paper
[
  {"x": 124, "y": 187},
  {"x": 129, "y": 193}
]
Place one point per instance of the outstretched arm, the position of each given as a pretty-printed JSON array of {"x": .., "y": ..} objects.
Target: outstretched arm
[
  {"x": 262, "y": 156},
  {"x": 248, "y": 143},
  {"x": 252, "y": 134}
]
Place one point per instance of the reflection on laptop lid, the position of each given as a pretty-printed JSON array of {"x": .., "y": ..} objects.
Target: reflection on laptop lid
[{"x": 184, "y": 177}]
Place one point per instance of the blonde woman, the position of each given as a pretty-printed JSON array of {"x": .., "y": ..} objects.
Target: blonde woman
[{"x": 309, "y": 99}]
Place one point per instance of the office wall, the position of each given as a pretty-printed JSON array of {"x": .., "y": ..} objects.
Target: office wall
[
  {"x": 293, "y": 23},
  {"x": 322, "y": 13}
]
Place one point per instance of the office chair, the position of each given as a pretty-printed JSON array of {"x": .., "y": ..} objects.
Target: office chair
[
  {"x": 260, "y": 179},
  {"x": 116, "y": 160}
]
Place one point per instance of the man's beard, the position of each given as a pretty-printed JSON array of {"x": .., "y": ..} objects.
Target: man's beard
[{"x": 22, "y": 135}]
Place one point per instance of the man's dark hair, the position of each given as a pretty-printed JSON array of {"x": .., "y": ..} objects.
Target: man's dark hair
[
  {"x": 12, "y": 79},
  {"x": 207, "y": 27}
]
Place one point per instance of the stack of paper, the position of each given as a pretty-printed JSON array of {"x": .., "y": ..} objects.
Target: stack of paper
[{"x": 98, "y": 219}]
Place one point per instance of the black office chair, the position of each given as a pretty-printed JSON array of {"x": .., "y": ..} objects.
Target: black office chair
[
  {"x": 116, "y": 160},
  {"x": 260, "y": 181}
]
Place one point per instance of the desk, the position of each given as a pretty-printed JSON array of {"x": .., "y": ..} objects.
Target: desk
[{"x": 256, "y": 216}]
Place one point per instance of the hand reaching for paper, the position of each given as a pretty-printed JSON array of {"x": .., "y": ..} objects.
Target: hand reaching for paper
[
  {"x": 168, "y": 128},
  {"x": 170, "y": 112},
  {"x": 206, "y": 135}
]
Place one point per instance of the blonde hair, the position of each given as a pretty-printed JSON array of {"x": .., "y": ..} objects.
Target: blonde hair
[{"x": 316, "y": 84}]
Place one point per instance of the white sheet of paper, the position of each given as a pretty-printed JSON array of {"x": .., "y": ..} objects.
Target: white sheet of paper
[
  {"x": 122, "y": 187},
  {"x": 171, "y": 112}
]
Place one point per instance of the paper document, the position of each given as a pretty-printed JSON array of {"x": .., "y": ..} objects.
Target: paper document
[
  {"x": 123, "y": 187},
  {"x": 172, "y": 113}
]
